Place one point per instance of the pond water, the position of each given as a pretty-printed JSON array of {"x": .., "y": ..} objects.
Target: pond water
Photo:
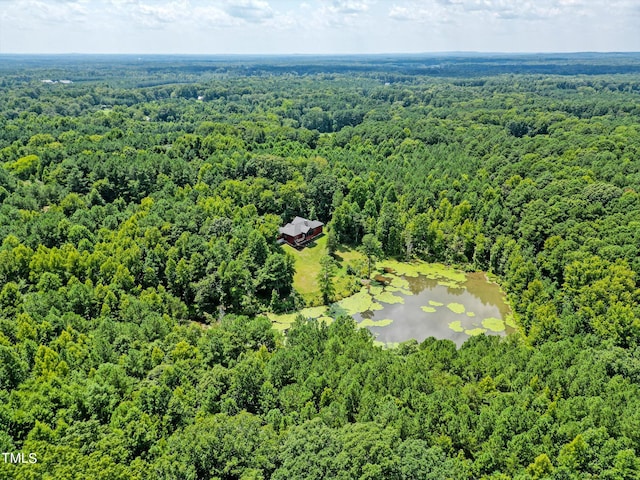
[
  {"x": 420, "y": 300},
  {"x": 441, "y": 311}
]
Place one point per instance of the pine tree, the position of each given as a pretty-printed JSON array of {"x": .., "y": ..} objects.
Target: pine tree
[{"x": 325, "y": 278}]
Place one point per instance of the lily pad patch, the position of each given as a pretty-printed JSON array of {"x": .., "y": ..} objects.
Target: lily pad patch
[
  {"x": 475, "y": 331},
  {"x": 400, "y": 282},
  {"x": 369, "y": 322},
  {"x": 434, "y": 271},
  {"x": 456, "y": 326},
  {"x": 493, "y": 324},
  {"x": 456, "y": 307},
  {"x": 388, "y": 297},
  {"x": 360, "y": 302},
  {"x": 326, "y": 320},
  {"x": 376, "y": 290}
]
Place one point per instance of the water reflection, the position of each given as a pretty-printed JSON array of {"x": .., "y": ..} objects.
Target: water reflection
[
  {"x": 481, "y": 300},
  {"x": 366, "y": 314},
  {"x": 420, "y": 283}
]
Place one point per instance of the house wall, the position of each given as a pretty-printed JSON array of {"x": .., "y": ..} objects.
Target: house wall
[
  {"x": 288, "y": 238},
  {"x": 312, "y": 233}
]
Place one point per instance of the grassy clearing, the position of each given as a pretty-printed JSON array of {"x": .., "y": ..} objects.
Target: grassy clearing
[
  {"x": 307, "y": 263},
  {"x": 345, "y": 255}
]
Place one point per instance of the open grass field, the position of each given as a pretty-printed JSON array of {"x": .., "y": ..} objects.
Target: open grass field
[{"x": 307, "y": 263}]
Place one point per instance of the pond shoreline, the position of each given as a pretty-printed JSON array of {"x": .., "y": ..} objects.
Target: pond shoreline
[{"x": 415, "y": 300}]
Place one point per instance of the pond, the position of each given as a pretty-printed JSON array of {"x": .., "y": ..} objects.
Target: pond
[{"x": 419, "y": 300}]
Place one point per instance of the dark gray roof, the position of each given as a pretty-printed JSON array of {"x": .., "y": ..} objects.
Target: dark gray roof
[{"x": 299, "y": 225}]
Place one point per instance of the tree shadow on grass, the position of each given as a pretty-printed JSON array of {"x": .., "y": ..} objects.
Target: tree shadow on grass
[
  {"x": 341, "y": 249},
  {"x": 311, "y": 244}
]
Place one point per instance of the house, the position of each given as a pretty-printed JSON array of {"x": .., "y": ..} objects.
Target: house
[{"x": 300, "y": 231}]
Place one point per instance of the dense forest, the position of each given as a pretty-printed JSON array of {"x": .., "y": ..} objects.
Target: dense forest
[{"x": 138, "y": 259}]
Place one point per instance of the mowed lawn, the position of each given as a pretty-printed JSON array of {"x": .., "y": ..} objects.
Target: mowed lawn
[
  {"x": 308, "y": 267},
  {"x": 307, "y": 263}
]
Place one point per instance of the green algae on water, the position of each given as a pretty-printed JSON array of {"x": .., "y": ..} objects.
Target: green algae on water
[
  {"x": 313, "y": 312},
  {"x": 403, "y": 291},
  {"x": 433, "y": 303},
  {"x": 428, "y": 309},
  {"x": 368, "y": 322},
  {"x": 388, "y": 297},
  {"x": 399, "y": 282},
  {"x": 456, "y": 326},
  {"x": 493, "y": 324},
  {"x": 281, "y": 327},
  {"x": 289, "y": 318},
  {"x": 376, "y": 289},
  {"x": 434, "y": 271},
  {"x": 326, "y": 320},
  {"x": 475, "y": 331},
  {"x": 360, "y": 302},
  {"x": 456, "y": 307}
]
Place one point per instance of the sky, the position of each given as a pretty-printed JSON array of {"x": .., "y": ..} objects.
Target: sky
[{"x": 317, "y": 26}]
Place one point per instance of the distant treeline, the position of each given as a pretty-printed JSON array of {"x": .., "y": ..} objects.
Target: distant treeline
[{"x": 149, "y": 70}]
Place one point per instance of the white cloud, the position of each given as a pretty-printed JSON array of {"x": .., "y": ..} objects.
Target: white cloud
[
  {"x": 212, "y": 17},
  {"x": 419, "y": 12},
  {"x": 445, "y": 10},
  {"x": 312, "y": 26},
  {"x": 348, "y": 7},
  {"x": 340, "y": 13},
  {"x": 254, "y": 11},
  {"x": 157, "y": 15},
  {"x": 187, "y": 14},
  {"x": 45, "y": 12}
]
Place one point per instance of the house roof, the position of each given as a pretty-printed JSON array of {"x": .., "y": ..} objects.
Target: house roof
[{"x": 299, "y": 225}]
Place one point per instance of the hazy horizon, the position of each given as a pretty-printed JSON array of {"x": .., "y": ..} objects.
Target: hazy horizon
[{"x": 463, "y": 53}]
